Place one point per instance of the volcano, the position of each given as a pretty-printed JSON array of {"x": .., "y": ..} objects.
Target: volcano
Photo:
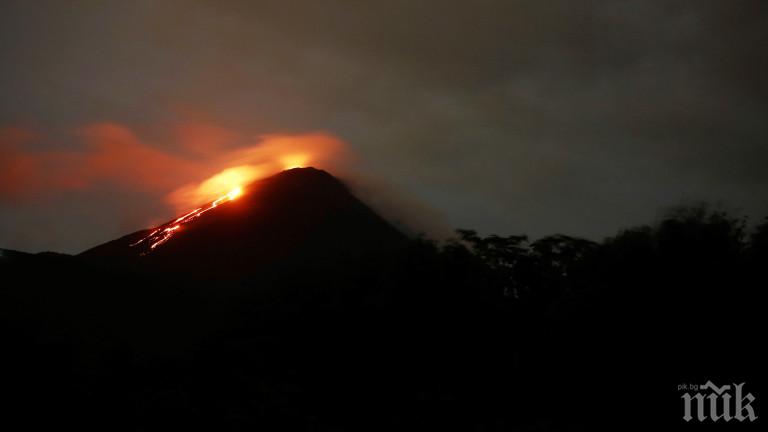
[
  {"x": 294, "y": 306},
  {"x": 301, "y": 216}
]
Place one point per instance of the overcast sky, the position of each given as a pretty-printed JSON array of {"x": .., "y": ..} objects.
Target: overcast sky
[{"x": 508, "y": 117}]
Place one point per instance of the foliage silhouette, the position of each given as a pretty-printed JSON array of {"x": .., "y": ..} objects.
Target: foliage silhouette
[{"x": 480, "y": 333}]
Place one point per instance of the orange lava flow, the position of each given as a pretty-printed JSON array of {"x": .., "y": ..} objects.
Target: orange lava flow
[{"x": 164, "y": 233}]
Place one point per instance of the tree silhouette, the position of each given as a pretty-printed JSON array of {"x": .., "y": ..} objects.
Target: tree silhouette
[{"x": 480, "y": 333}]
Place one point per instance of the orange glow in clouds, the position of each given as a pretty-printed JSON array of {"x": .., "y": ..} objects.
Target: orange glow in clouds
[
  {"x": 228, "y": 182},
  {"x": 270, "y": 155},
  {"x": 202, "y": 163},
  {"x": 294, "y": 161},
  {"x": 193, "y": 169},
  {"x": 273, "y": 154}
]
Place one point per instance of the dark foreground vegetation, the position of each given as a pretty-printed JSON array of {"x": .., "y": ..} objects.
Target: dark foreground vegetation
[{"x": 483, "y": 333}]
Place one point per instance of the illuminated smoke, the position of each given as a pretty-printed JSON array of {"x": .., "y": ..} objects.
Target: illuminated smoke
[
  {"x": 218, "y": 185},
  {"x": 270, "y": 155}
]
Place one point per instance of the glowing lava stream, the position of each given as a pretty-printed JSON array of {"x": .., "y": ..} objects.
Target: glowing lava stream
[{"x": 165, "y": 232}]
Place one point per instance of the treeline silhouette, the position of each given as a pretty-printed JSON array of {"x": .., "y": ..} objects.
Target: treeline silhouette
[{"x": 479, "y": 333}]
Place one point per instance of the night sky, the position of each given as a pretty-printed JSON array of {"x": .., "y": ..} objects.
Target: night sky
[{"x": 507, "y": 117}]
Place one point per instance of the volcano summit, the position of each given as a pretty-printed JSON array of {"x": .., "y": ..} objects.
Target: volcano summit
[{"x": 302, "y": 215}]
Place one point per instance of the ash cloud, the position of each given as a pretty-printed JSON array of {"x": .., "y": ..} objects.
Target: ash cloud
[{"x": 505, "y": 116}]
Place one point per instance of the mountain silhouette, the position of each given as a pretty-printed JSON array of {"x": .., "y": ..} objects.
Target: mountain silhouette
[
  {"x": 296, "y": 307},
  {"x": 302, "y": 216}
]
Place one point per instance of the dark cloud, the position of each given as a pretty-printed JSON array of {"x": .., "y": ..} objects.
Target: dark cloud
[{"x": 506, "y": 116}]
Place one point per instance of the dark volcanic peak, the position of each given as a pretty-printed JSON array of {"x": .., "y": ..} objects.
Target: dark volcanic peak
[{"x": 299, "y": 215}]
